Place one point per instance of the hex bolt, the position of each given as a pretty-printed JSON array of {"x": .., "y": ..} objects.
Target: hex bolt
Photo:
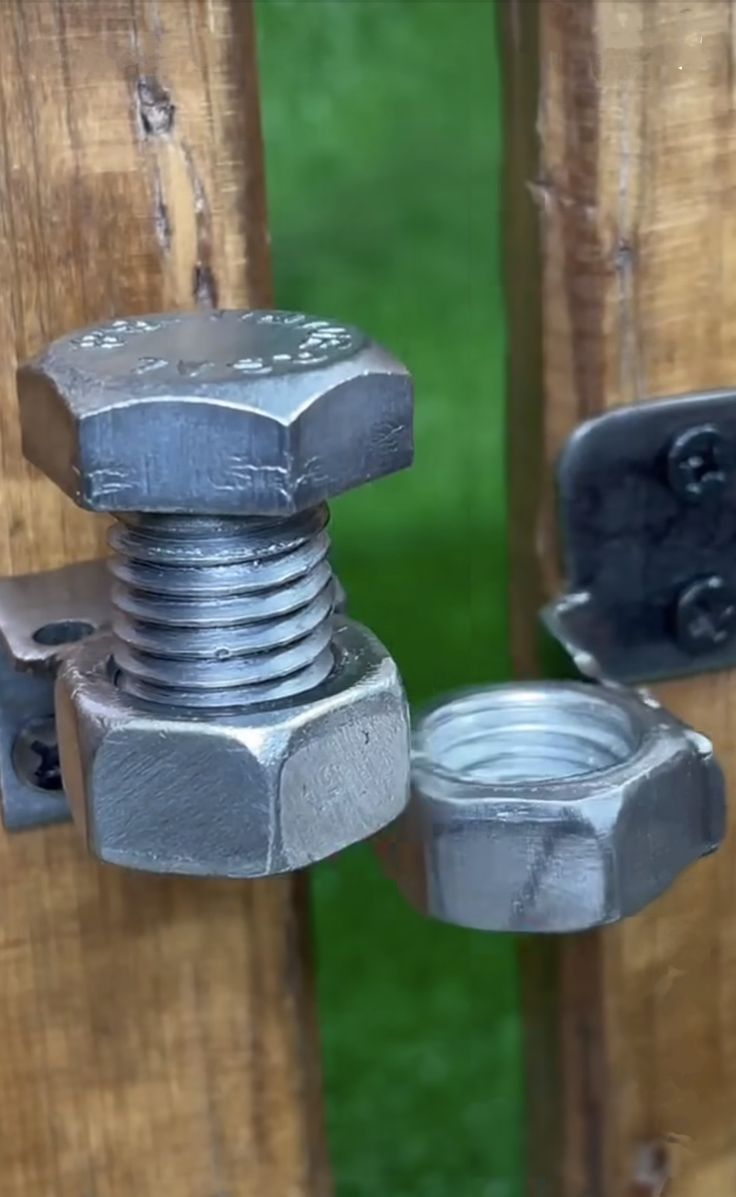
[
  {"x": 699, "y": 463},
  {"x": 223, "y": 591},
  {"x": 215, "y": 439},
  {"x": 705, "y": 615}
]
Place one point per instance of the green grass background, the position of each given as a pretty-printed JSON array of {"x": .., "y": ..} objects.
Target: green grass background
[{"x": 382, "y": 129}]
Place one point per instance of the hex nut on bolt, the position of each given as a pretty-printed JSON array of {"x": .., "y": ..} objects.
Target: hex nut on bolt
[
  {"x": 232, "y": 725},
  {"x": 263, "y": 792},
  {"x": 551, "y": 807}
]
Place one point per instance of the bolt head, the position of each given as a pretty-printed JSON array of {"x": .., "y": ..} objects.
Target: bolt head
[{"x": 227, "y": 412}]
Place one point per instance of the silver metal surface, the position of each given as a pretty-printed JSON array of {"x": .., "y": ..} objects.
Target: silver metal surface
[
  {"x": 220, "y": 612},
  {"x": 247, "y": 795},
  {"x": 551, "y": 806},
  {"x": 40, "y": 616},
  {"x": 229, "y": 727},
  {"x": 220, "y": 413}
]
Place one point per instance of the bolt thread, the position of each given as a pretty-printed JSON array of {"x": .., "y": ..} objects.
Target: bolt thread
[{"x": 221, "y": 612}]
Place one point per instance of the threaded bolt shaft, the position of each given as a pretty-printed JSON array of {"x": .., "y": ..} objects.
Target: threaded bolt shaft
[{"x": 221, "y": 612}]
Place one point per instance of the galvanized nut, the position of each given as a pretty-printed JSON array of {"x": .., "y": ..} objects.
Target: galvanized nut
[
  {"x": 551, "y": 806},
  {"x": 232, "y": 725}
]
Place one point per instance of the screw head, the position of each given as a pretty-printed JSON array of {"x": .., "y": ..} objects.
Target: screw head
[
  {"x": 705, "y": 616},
  {"x": 699, "y": 463},
  {"x": 36, "y": 756}
]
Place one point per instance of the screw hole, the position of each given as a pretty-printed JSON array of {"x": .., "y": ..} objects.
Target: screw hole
[
  {"x": 62, "y": 631},
  {"x": 510, "y": 734}
]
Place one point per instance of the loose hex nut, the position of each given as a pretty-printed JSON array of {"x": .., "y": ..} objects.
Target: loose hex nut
[
  {"x": 260, "y": 412},
  {"x": 249, "y": 796},
  {"x": 551, "y": 807}
]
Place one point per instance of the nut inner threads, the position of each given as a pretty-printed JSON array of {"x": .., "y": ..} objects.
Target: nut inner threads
[
  {"x": 524, "y": 733},
  {"x": 221, "y": 612}
]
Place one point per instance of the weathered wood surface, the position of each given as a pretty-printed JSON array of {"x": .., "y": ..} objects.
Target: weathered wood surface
[
  {"x": 624, "y": 142},
  {"x": 157, "y": 1036}
]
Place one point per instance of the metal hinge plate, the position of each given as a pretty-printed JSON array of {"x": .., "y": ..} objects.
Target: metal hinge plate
[
  {"x": 39, "y": 615},
  {"x": 647, "y": 499}
]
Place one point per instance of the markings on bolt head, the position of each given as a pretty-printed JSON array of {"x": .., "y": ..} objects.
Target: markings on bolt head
[{"x": 235, "y": 344}]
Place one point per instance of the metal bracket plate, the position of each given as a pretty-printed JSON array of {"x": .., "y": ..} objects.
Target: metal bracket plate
[
  {"x": 39, "y": 615},
  {"x": 647, "y": 500}
]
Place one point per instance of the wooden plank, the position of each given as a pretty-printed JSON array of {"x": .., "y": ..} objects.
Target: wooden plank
[
  {"x": 157, "y": 1035},
  {"x": 631, "y": 1031}
]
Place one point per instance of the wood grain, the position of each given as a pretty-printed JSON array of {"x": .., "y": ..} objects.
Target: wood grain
[
  {"x": 631, "y": 1042},
  {"x": 157, "y": 1036}
]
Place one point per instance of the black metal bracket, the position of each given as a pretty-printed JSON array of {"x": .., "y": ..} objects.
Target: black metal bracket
[{"x": 647, "y": 498}]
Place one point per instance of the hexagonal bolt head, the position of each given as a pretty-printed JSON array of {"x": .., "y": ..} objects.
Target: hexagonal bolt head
[
  {"x": 246, "y": 796},
  {"x": 261, "y": 413},
  {"x": 551, "y": 807}
]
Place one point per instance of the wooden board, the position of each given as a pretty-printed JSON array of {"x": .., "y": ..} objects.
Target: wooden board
[
  {"x": 157, "y": 1036},
  {"x": 621, "y": 117}
]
